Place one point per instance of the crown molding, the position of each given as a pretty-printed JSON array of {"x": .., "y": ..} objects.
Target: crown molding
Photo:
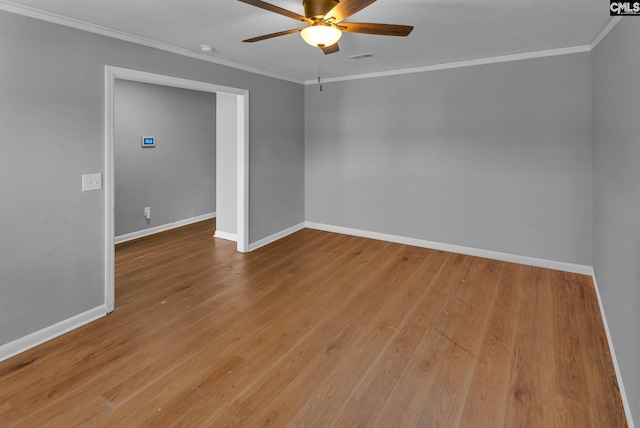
[
  {"x": 9, "y": 6},
  {"x": 54, "y": 18},
  {"x": 460, "y": 64},
  {"x": 601, "y": 35}
]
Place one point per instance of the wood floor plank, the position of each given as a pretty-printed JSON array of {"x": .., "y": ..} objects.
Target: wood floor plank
[
  {"x": 600, "y": 375},
  {"x": 383, "y": 371},
  {"x": 321, "y": 329},
  {"x": 406, "y": 403},
  {"x": 573, "y": 391},
  {"x": 532, "y": 372},
  {"x": 487, "y": 405},
  {"x": 462, "y": 323}
]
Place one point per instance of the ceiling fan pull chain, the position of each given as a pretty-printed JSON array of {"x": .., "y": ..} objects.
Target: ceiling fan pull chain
[{"x": 320, "y": 67}]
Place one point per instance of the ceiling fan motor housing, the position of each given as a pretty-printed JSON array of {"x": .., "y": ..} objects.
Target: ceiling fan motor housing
[{"x": 318, "y": 8}]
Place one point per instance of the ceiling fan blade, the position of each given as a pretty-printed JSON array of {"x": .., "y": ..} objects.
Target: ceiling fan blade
[
  {"x": 272, "y": 35},
  {"x": 378, "y": 29},
  {"x": 330, "y": 49},
  {"x": 277, "y": 9},
  {"x": 345, "y": 9}
]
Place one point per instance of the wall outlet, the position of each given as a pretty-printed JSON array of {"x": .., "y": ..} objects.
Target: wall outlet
[
  {"x": 147, "y": 213},
  {"x": 91, "y": 182}
]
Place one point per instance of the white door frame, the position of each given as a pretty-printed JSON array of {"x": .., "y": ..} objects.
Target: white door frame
[{"x": 242, "y": 104}]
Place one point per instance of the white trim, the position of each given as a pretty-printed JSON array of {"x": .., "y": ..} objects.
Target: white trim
[
  {"x": 176, "y": 82},
  {"x": 450, "y": 65},
  {"x": 162, "y": 228},
  {"x": 242, "y": 141},
  {"x": 34, "y": 339},
  {"x": 66, "y": 21},
  {"x": 109, "y": 186},
  {"x": 623, "y": 394},
  {"x": 242, "y": 183},
  {"x": 612, "y": 23},
  {"x": 278, "y": 235},
  {"x": 225, "y": 235},
  {"x": 495, "y": 255}
]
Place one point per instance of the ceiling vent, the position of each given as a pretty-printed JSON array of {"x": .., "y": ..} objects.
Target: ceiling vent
[{"x": 361, "y": 56}]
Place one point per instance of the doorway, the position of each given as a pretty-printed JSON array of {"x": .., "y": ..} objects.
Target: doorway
[{"x": 236, "y": 104}]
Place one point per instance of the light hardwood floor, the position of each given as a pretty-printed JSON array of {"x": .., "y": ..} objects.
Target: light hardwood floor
[{"x": 320, "y": 330}]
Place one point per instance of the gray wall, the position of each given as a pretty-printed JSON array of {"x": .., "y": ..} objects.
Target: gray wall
[
  {"x": 276, "y": 165},
  {"x": 52, "y": 131},
  {"x": 616, "y": 110},
  {"x": 496, "y": 157},
  {"x": 177, "y": 178}
]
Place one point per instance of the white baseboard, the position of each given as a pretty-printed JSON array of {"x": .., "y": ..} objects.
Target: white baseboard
[
  {"x": 224, "y": 235},
  {"x": 623, "y": 394},
  {"x": 495, "y": 255},
  {"x": 34, "y": 339},
  {"x": 279, "y": 235},
  {"x": 162, "y": 228}
]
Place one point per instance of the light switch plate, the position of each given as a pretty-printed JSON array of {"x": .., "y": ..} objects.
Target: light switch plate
[{"x": 91, "y": 182}]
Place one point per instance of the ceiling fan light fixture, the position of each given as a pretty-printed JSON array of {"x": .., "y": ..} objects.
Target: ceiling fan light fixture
[{"x": 321, "y": 35}]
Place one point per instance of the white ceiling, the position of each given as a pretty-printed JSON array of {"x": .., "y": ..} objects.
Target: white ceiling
[{"x": 445, "y": 30}]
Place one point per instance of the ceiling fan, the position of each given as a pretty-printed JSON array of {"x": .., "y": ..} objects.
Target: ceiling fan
[{"x": 325, "y": 22}]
